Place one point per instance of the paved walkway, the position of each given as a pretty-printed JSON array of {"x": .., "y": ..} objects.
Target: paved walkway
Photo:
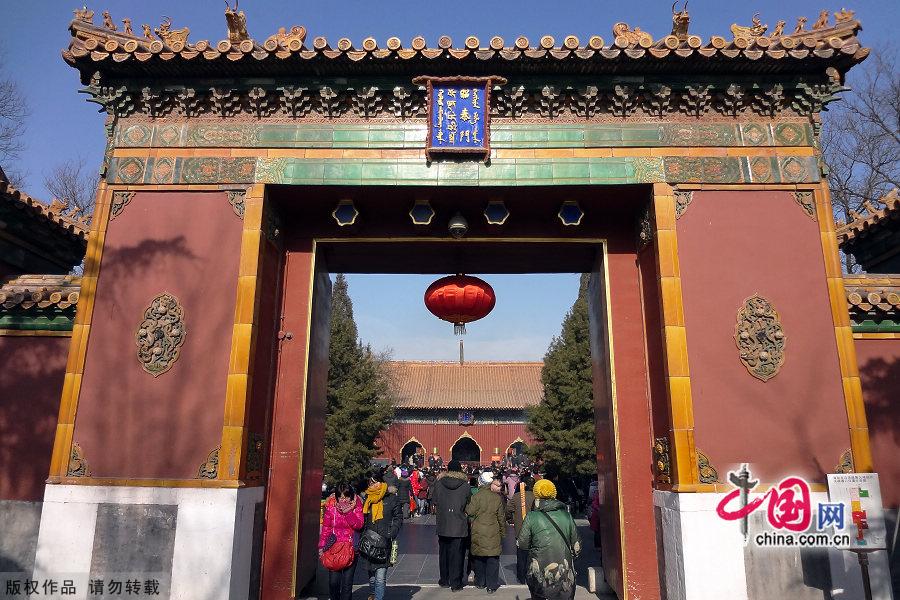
[{"x": 415, "y": 575}]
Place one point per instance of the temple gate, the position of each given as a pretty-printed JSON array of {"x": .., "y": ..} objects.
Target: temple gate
[{"x": 684, "y": 176}]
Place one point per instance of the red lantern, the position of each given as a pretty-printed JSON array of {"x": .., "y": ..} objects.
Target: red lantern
[{"x": 460, "y": 299}]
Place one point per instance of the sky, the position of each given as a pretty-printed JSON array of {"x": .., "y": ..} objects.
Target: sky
[{"x": 530, "y": 308}]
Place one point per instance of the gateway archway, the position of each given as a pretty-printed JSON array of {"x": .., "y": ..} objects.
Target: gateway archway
[
  {"x": 409, "y": 449},
  {"x": 466, "y": 450},
  {"x": 382, "y": 239}
]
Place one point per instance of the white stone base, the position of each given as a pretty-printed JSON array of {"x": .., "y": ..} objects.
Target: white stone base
[
  {"x": 213, "y": 536},
  {"x": 704, "y": 555},
  {"x": 705, "y": 558}
]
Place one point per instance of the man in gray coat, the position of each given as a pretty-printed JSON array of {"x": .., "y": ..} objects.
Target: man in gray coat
[{"x": 451, "y": 494}]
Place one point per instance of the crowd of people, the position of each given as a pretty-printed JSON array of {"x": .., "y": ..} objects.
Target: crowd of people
[{"x": 473, "y": 507}]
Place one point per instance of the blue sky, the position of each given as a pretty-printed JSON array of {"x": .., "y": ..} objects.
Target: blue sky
[{"x": 530, "y": 309}]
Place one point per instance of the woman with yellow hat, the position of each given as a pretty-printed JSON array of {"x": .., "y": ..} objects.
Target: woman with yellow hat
[{"x": 551, "y": 539}]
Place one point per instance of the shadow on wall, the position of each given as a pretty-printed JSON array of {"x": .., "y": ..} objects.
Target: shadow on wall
[
  {"x": 881, "y": 391},
  {"x": 881, "y": 380},
  {"x": 30, "y": 385},
  {"x": 121, "y": 267}
]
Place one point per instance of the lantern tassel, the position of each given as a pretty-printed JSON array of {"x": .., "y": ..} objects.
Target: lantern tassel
[{"x": 459, "y": 329}]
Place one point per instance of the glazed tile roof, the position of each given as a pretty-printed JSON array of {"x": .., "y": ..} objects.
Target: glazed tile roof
[
  {"x": 830, "y": 42},
  {"x": 862, "y": 225},
  {"x": 39, "y": 292},
  {"x": 873, "y": 297},
  {"x": 473, "y": 385},
  {"x": 38, "y": 238},
  {"x": 52, "y": 213}
]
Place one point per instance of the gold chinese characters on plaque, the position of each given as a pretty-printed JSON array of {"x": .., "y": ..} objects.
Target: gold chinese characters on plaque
[{"x": 459, "y": 115}]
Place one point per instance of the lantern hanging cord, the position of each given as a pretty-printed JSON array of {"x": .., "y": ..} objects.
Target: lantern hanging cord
[{"x": 459, "y": 329}]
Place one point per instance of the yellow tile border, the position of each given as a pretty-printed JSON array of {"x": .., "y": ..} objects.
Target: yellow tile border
[
  {"x": 674, "y": 336},
  {"x": 866, "y": 336},
  {"x": 756, "y": 187},
  {"x": 238, "y": 387},
  {"x": 33, "y": 333},
  {"x": 853, "y": 399},
  {"x": 136, "y": 482},
  {"x": 65, "y": 424},
  {"x": 499, "y": 153}
]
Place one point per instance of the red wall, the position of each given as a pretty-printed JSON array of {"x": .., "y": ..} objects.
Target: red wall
[
  {"x": 444, "y": 435},
  {"x": 289, "y": 545},
  {"x": 31, "y": 381},
  {"x": 129, "y": 423},
  {"x": 879, "y": 372},
  {"x": 733, "y": 245},
  {"x": 633, "y": 416}
]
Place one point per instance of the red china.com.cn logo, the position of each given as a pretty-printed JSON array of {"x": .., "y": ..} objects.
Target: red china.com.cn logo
[{"x": 789, "y": 512}]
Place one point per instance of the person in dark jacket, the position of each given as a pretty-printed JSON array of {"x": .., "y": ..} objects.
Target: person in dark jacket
[
  {"x": 451, "y": 494},
  {"x": 431, "y": 478},
  {"x": 381, "y": 512},
  {"x": 516, "y": 511},
  {"x": 404, "y": 490},
  {"x": 392, "y": 475},
  {"x": 488, "y": 523}
]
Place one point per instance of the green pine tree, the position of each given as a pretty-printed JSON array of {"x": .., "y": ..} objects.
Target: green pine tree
[
  {"x": 563, "y": 423},
  {"x": 358, "y": 403}
]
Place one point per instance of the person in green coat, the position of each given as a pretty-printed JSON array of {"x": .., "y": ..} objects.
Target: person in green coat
[
  {"x": 552, "y": 541},
  {"x": 487, "y": 519}
]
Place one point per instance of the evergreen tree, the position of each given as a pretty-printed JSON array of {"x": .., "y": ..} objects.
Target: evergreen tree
[
  {"x": 563, "y": 423},
  {"x": 358, "y": 402}
]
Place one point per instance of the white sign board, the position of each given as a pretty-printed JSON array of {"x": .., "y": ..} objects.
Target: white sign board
[{"x": 864, "y": 515}]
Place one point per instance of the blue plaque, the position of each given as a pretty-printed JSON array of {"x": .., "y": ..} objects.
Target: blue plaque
[{"x": 459, "y": 116}]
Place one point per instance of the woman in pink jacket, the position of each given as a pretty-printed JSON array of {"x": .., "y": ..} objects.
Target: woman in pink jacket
[
  {"x": 344, "y": 518},
  {"x": 415, "y": 481}
]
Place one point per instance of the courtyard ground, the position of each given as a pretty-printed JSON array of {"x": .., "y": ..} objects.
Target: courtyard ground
[{"x": 415, "y": 575}]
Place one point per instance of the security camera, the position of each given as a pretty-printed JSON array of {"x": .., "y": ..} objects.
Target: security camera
[{"x": 458, "y": 226}]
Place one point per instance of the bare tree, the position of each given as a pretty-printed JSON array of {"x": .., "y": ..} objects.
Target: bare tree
[
  {"x": 861, "y": 138},
  {"x": 13, "y": 111},
  {"x": 74, "y": 183}
]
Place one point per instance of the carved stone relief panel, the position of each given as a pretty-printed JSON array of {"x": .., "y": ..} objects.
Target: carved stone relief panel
[
  {"x": 161, "y": 334},
  {"x": 760, "y": 338}
]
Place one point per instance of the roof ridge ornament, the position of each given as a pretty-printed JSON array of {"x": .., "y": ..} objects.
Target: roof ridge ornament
[
  {"x": 121, "y": 51},
  {"x": 172, "y": 36},
  {"x": 291, "y": 40},
  {"x": 843, "y": 16},
  {"x": 680, "y": 22},
  {"x": 84, "y": 15},
  {"x": 236, "y": 21},
  {"x": 624, "y": 36},
  {"x": 757, "y": 29},
  {"x": 107, "y": 21}
]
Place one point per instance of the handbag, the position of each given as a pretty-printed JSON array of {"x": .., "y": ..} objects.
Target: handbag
[
  {"x": 337, "y": 556},
  {"x": 373, "y": 546}
]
